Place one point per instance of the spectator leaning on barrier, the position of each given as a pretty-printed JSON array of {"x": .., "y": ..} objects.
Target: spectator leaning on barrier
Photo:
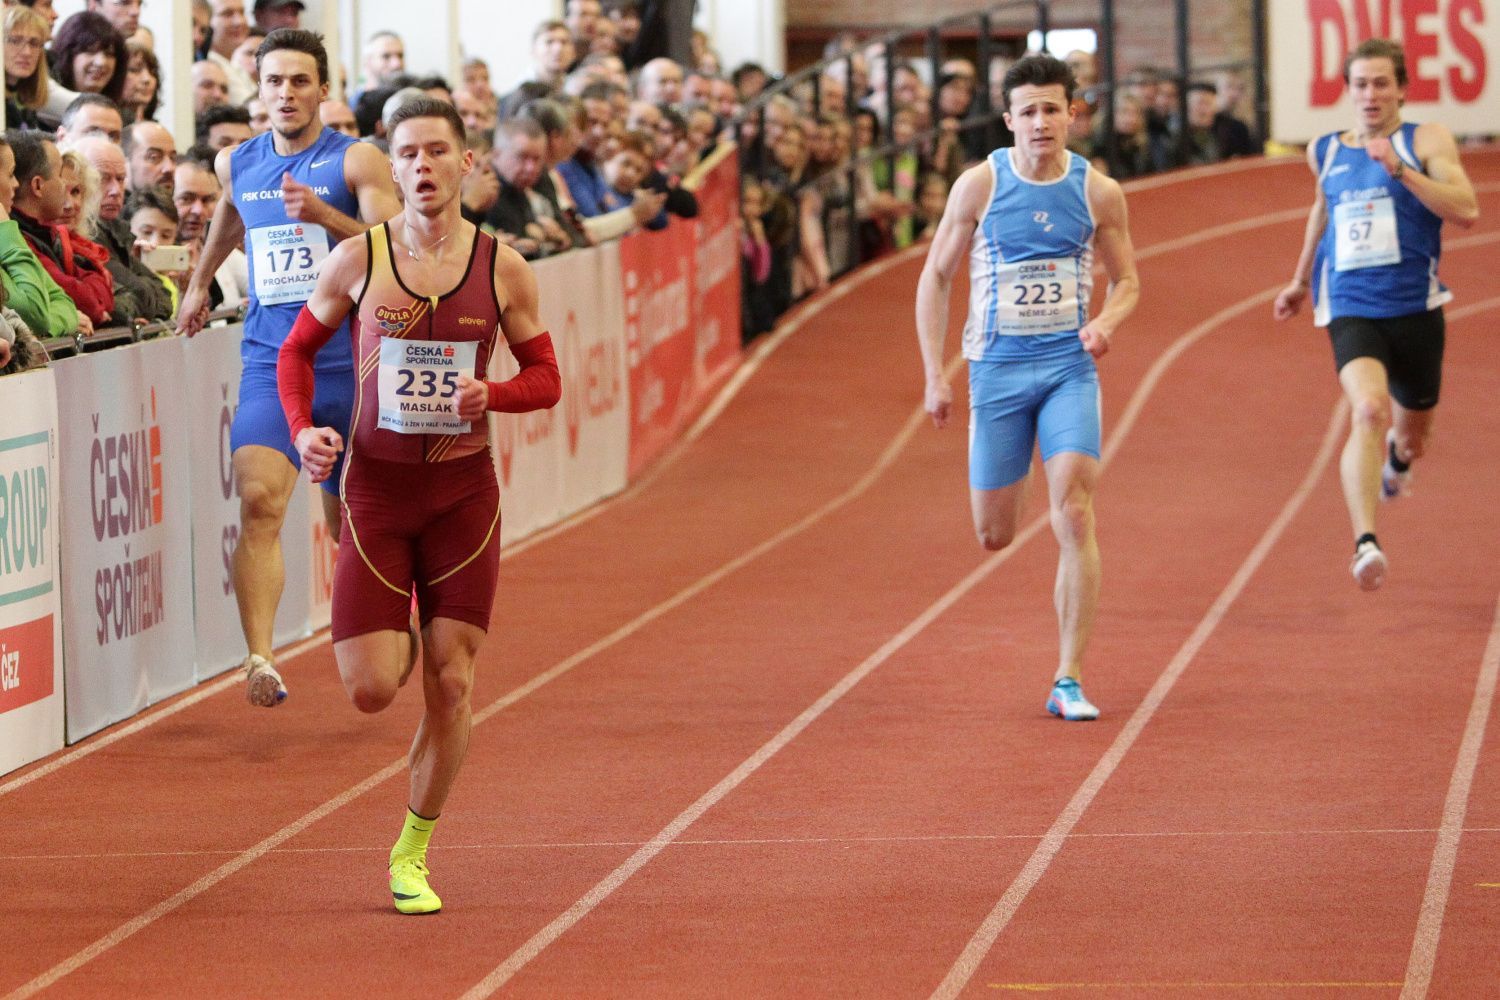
[
  {"x": 152, "y": 300},
  {"x": 1234, "y": 136},
  {"x": 37, "y": 207},
  {"x": 79, "y": 223},
  {"x": 26, "y": 76},
  {"x": 29, "y": 290},
  {"x": 195, "y": 194},
  {"x": 550, "y": 196},
  {"x": 1194, "y": 143},
  {"x": 519, "y": 160},
  {"x": 153, "y": 222}
]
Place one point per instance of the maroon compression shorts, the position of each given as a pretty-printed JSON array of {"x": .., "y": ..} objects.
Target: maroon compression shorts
[{"x": 432, "y": 524}]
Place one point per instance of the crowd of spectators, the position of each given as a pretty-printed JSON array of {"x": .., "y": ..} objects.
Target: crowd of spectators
[
  {"x": 606, "y": 135},
  {"x": 820, "y": 196}
]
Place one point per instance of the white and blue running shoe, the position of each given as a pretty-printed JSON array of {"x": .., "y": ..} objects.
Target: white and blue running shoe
[{"x": 1068, "y": 703}]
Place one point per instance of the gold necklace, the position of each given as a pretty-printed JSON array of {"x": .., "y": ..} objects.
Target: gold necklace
[{"x": 412, "y": 243}]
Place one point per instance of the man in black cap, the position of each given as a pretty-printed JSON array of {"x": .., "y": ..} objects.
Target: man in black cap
[{"x": 273, "y": 14}]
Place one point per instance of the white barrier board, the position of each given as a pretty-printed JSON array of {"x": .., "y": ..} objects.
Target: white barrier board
[{"x": 31, "y": 662}]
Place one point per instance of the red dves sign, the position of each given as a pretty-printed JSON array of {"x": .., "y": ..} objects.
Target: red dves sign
[{"x": 1449, "y": 44}]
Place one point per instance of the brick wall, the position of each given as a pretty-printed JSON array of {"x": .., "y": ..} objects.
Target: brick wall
[{"x": 1220, "y": 28}]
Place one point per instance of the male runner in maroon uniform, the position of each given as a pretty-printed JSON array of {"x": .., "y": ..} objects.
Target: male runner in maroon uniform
[{"x": 421, "y": 506}]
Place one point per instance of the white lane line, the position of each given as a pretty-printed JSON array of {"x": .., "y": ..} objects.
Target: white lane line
[
  {"x": 601, "y": 891},
  {"x": 979, "y": 945},
  {"x": 1420, "y": 965},
  {"x": 936, "y": 838}
]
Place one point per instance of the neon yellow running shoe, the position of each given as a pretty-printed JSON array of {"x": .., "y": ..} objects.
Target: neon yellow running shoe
[{"x": 409, "y": 887}]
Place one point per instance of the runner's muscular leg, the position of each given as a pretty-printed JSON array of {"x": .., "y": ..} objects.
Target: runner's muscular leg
[
  {"x": 1368, "y": 391},
  {"x": 371, "y": 665},
  {"x": 1413, "y": 431},
  {"x": 449, "y": 648},
  {"x": 997, "y": 512},
  {"x": 1071, "y": 479},
  {"x": 265, "y": 480}
]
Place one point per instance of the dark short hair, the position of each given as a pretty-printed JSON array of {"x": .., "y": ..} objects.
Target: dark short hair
[
  {"x": 153, "y": 196},
  {"x": 30, "y": 149},
  {"x": 428, "y": 107},
  {"x": 551, "y": 115},
  {"x": 220, "y": 114},
  {"x": 199, "y": 155},
  {"x": 745, "y": 69},
  {"x": 1204, "y": 86},
  {"x": 1378, "y": 48},
  {"x": 70, "y": 115},
  {"x": 295, "y": 40},
  {"x": 87, "y": 31},
  {"x": 1040, "y": 70},
  {"x": 370, "y": 106},
  {"x": 433, "y": 82}
]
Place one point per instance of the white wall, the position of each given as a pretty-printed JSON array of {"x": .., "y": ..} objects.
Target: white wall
[
  {"x": 500, "y": 34},
  {"x": 746, "y": 31}
]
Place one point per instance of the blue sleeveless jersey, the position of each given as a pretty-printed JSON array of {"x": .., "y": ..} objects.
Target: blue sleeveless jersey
[
  {"x": 1378, "y": 257},
  {"x": 284, "y": 255},
  {"x": 1030, "y": 265}
]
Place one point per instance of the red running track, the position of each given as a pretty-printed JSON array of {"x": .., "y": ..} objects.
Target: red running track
[{"x": 773, "y": 724}]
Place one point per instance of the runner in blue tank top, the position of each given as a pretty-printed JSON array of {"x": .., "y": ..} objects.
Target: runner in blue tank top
[
  {"x": 1370, "y": 259},
  {"x": 292, "y": 194},
  {"x": 1029, "y": 220}
]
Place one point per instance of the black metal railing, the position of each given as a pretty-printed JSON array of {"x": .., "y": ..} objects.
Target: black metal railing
[
  {"x": 1016, "y": 17},
  {"x": 104, "y": 338}
]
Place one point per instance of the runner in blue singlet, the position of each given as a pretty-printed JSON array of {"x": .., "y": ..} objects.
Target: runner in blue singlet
[
  {"x": 292, "y": 194},
  {"x": 1370, "y": 259},
  {"x": 1029, "y": 220}
]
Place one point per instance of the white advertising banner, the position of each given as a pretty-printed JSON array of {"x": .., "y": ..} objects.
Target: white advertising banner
[
  {"x": 213, "y": 358},
  {"x": 1449, "y": 46},
  {"x": 555, "y": 462},
  {"x": 31, "y": 679},
  {"x": 127, "y": 568}
]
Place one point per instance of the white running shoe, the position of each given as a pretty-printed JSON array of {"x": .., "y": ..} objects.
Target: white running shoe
[
  {"x": 1393, "y": 484},
  {"x": 1369, "y": 566},
  {"x": 263, "y": 683}
]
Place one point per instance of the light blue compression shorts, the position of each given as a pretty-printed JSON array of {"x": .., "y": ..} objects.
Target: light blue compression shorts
[{"x": 1014, "y": 404}]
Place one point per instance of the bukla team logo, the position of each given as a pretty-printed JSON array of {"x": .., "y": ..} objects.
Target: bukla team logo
[{"x": 395, "y": 321}]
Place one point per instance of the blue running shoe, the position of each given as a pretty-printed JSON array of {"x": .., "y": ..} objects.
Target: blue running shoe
[{"x": 1068, "y": 703}]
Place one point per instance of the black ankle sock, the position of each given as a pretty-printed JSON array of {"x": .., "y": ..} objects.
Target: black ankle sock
[
  {"x": 1368, "y": 536},
  {"x": 1395, "y": 461}
]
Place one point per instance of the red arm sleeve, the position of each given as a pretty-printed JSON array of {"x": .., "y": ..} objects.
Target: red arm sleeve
[
  {"x": 537, "y": 386},
  {"x": 294, "y": 369}
]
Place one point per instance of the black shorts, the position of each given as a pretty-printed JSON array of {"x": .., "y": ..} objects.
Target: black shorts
[{"x": 1410, "y": 348}]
